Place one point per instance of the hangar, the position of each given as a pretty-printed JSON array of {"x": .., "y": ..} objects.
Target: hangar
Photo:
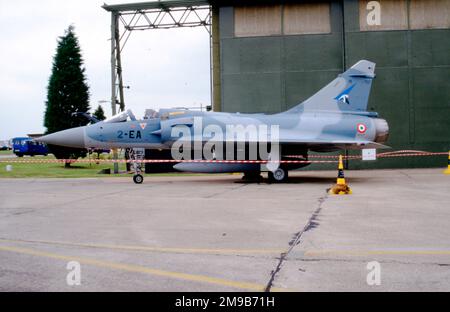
[{"x": 268, "y": 56}]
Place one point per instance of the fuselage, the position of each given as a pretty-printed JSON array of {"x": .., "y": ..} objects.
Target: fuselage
[{"x": 157, "y": 133}]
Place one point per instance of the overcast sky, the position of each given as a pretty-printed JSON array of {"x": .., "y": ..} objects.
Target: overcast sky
[{"x": 164, "y": 68}]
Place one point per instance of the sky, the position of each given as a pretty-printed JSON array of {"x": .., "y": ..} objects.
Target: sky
[{"x": 163, "y": 68}]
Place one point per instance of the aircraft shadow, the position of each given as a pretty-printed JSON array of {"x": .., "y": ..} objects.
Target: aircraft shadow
[{"x": 302, "y": 180}]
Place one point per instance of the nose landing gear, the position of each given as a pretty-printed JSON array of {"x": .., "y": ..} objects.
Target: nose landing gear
[
  {"x": 137, "y": 155},
  {"x": 138, "y": 178}
]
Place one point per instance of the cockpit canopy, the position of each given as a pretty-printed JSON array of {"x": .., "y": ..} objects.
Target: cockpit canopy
[
  {"x": 163, "y": 113},
  {"x": 121, "y": 117},
  {"x": 151, "y": 114}
]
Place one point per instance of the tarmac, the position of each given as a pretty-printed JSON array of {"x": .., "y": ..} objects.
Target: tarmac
[{"x": 217, "y": 233}]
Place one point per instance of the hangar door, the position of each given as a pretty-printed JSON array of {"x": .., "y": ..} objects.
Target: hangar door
[
  {"x": 410, "y": 42},
  {"x": 272, "y": 57},
  {"x": 275, "y": 56}
]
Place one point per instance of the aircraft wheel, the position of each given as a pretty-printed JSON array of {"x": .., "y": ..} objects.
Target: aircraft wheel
[
  {"x": 279, "y": 175},
  {"x": 138, "y": 178}
]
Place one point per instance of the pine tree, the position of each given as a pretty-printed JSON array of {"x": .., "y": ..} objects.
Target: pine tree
[
  {"x": 67, "y": 92},
  {"x": 99, "y": 113}
]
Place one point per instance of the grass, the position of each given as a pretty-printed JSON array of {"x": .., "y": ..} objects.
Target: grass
[
  {"x": 57, "y": 170},
  {"x": 53, "y": 170},
  {"x": 6, "y": 152}
]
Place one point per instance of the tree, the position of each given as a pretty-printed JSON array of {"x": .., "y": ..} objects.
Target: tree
[
  {"x": 67, "y": 93},
  {"x": 99, "y": 113}
]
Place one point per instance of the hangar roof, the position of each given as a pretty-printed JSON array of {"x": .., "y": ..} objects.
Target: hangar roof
[
  {"x": 163, "y": 4},
  {"x": 166, "y": 4}
]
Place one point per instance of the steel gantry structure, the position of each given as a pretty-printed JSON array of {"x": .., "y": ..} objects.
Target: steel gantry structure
[
  {"x": 146, "y": 16},
  {"x": 163, "y": 14}
]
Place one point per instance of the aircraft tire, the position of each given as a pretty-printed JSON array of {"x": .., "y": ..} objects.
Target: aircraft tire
[
  {"x": 138, "y": 178},
  {"x": 278, "y": 176}
]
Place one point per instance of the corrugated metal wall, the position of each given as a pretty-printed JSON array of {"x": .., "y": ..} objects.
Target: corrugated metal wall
[{"x": 270, "y": 73}]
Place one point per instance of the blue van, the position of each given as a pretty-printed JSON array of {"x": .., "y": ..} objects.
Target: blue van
[{"x": 26, "y": 146}]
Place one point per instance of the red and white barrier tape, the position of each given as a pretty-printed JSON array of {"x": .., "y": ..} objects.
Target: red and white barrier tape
[
  {"x": 401, "y": 153},
  {"x": 43, "y": 161},
  {"x": 324, "y": 156}
]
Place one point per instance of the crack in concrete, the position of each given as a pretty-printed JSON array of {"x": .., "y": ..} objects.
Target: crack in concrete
[
  {"x": 14, "y": 212},
  {"x": 406, "y": 175},
  {"x": 296, "y": 240},
  {"x": 86, "y": 198},
  {"x": 225, "y": 191}
]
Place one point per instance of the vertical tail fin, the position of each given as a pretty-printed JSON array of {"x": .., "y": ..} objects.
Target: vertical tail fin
[{"x": 348, "y": 92}]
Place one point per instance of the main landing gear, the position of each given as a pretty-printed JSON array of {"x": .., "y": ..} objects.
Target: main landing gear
[
  {"x": 278, "y": 176},
  {"x": 252, "y": 176}
]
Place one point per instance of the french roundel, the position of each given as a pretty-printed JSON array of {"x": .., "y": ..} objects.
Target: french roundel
[{"x": 361, "y": 128}]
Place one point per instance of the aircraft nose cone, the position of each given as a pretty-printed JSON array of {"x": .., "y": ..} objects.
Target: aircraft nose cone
[{"x": 71, "y": 138}]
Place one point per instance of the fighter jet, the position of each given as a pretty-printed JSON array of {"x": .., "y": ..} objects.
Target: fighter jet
[{"x": 334, "y": 118}]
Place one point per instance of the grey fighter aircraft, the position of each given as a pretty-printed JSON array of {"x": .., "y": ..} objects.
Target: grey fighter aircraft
[{"x": 334, "y": 118}]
